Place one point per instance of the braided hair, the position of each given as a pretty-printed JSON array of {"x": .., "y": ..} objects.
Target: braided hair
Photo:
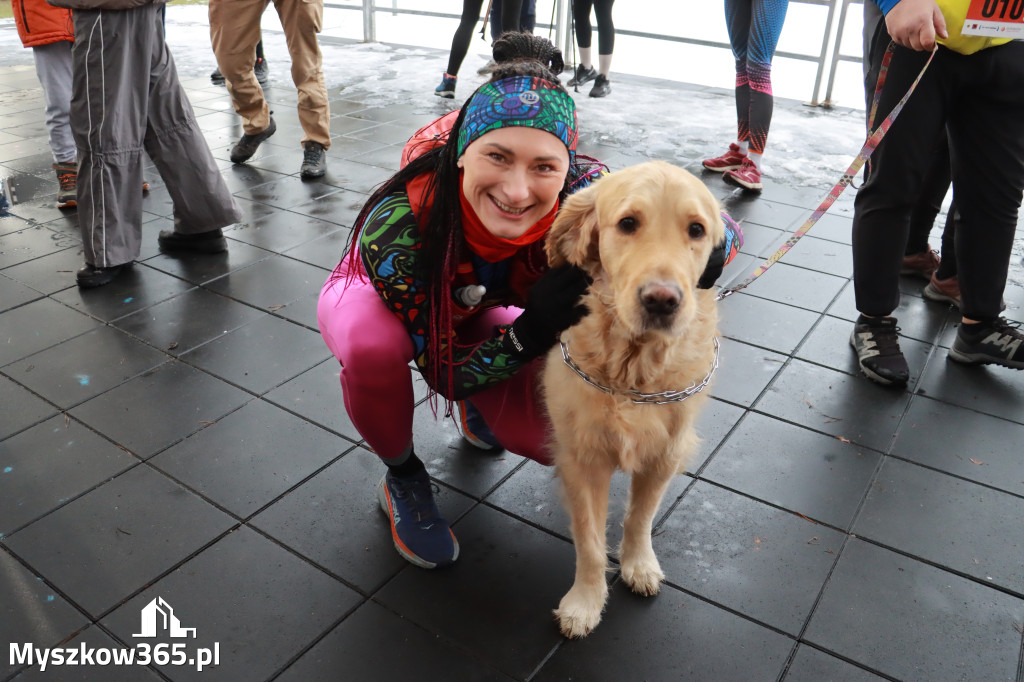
[{"x": 516, "y": 54}]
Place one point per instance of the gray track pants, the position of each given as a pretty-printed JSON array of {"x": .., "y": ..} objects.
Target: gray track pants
[{"x": 127, "y": 97}]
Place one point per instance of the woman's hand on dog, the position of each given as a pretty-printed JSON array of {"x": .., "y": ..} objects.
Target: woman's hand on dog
[{"x": 552, "y": 305}]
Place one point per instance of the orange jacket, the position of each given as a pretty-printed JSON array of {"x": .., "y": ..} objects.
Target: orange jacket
[{"x": 40, "y": 23}]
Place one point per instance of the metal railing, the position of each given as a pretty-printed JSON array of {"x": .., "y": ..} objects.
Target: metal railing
[{"x": 561, "y": 29}]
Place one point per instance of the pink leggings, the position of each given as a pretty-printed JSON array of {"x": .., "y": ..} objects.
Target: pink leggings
[{"x": 375, "y": 352}]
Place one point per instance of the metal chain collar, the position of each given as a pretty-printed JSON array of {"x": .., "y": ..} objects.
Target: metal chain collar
[{"x": 637, "y": 397}]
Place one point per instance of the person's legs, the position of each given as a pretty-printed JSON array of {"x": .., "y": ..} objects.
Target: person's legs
[
  {"x": 528, "y": 16},
  {"x": 512, "y": 409},
  {"x": 234, "y": 31},
  {"x": 510, "y": 11},
  {"x": 302, "y": 21},
  {"x": 986, "y": 139},
  {"x": 202, "y": 202},
  {"x": 494, "y": 19},
  {"x": 463, "y": 34},
  {"x": 108, "y": 119},
  {"x": 53, "y": 67},
  {"x": 767, "y": 19},
  {"x": 918, "y": 258},
  {"x": 605, "y": 46},
  {"x": 883, "y": 205},
  {"x": 375, "y": 350},
  {"x": 605, "y": 34},
  {"x": 737, "y": 21}
]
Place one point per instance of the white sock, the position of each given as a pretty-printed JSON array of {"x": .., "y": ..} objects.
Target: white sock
[
  {"x": 743, "y": 145},
  {"x": 585, "y": 56},
  {"x": 604, "y": 64},
  {"x": 756, "y": 158}
]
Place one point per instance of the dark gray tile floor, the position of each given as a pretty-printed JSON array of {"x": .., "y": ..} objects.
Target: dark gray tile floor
[{"x": 180, "y": 435}]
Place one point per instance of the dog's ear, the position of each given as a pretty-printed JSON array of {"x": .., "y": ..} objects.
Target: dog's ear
[{"x": 573, "y": 236}]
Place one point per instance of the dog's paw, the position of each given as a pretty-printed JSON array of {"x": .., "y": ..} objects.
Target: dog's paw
[
  {"x": 643, "y": 577},
  {"x": 579, "y": 614}
]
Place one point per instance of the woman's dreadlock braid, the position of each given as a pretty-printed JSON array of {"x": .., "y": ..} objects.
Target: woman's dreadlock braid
[{"x": 512, "y": 48}]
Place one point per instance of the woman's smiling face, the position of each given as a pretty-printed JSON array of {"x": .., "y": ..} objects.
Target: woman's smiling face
[{"x": 512, "y": 177}]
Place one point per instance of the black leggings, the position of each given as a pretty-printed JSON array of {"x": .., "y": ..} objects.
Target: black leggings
[
  {"x": 464, "y": 33},
  {"x": 605, "y": 27},
  {"x": 978, "y": 101}
]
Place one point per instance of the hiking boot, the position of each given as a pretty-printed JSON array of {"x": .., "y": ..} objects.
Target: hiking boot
[
  {"x": 420, "y": 533},
  {"x": 730, "y": 160},
  {"x": 447, "y": 87},
  {"x": 314, "y": 160},
  {"x": 261, "y": 71},
  {"x": 89, "y": 276},
  {"x": 217, "y": 78},
  {"x": 247, "y": 146},
  {"x": 474, "y": 428},
  {"x": 583, "y": 75},
  {"x": 921, "y": 264},
  {"x": 996, "y": 342},
  {"x": 878, "y": 350},
  {"x": 67, "y": 184},
  {"x": 601, "y": 86},
  {"x": 943, "y": 290},
  {"x": 211, "y": 241},
  {"x": 746, "y": 176}
]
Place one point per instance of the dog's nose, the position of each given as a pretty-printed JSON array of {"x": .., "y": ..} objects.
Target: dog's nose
[{"x": 660, "y": 298}]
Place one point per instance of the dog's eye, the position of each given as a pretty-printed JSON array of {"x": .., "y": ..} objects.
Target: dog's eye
[
  {"x": 695, "y": 230},
  {"x": 628, "y": 225}
]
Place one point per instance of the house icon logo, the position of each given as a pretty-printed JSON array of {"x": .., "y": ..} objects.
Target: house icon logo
[{"x": 157, "y": 617}]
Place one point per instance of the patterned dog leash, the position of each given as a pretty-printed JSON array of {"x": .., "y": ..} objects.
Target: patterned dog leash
[{"x": 869, "y": 146}]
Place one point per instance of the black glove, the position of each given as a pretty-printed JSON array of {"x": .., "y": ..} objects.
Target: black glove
[
  {"x": 552, "y": 305},
  {"x": 714, "y": 268}
]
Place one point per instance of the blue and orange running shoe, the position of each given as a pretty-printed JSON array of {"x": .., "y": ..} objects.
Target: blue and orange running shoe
[
  {"x": 474, "y": 428},
  {"x": 421, "y": 535}
]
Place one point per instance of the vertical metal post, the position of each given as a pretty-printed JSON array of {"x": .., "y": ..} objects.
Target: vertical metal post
[
  {"x": 563, "y": 29},
  {"x": 835, "y": 55},
  {"x": 369, "y": 22},
  {"x": 824, "y": 52}
]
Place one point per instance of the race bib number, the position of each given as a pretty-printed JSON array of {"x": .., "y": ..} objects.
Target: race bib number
[{"x": 995, "y": 19}]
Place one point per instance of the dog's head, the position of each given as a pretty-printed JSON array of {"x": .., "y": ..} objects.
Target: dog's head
[{"x": 644, "y": 234}]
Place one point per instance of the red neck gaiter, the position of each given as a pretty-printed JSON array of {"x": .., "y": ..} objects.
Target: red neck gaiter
[{"x": 490, "y": 247}]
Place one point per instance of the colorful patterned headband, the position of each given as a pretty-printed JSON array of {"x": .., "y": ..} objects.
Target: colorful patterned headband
[{"x": 520, "y": 101}]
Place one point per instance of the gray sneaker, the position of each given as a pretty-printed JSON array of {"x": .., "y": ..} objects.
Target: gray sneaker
[
  {"x": 583, "y": 75},
  {"x": 247, "y": 146},
  {"x": 996, "y": 342},
  {"x": 314, "y": 160},
  {"x": 876, "y": 340}
]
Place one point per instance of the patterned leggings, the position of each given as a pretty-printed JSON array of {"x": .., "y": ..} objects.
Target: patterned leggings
[
  {"x": 754, "y": 28},
  {"x": 375, "y": 351}
]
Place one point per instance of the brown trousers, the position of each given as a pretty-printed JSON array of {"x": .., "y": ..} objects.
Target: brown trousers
[{"x": 235, "y": 30}]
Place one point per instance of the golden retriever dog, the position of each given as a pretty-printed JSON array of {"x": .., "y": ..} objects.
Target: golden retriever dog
[{"x": 613, "y": 385}]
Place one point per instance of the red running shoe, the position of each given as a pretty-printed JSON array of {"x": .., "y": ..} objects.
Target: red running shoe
[
  {"x": 746, "y": 176},
  {"x": 730, "y": 160}
]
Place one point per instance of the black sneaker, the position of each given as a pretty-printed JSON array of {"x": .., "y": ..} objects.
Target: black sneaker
[
  {"x": 261, "y": 71},
  {"x": 217, "y": 78},
  {"x": 878, "y": 350},
  {"x": 997, "y": 342},
  {"x": 314, "y": 160},
  {"x": 89, "y": 276},
  {"x": 601, "y": 86},
  {"x": 247, "y": 146},
  {"x": 212, "y": 241},
  {"x": 582, "y": 75}
]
